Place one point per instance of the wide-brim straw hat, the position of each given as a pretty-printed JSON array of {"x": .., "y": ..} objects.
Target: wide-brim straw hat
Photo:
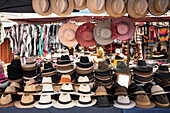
[
  {"x": 42, "y": 7},
  {"x": 157, "y": 8},
  {"x": 135, "y": 8},
  {"x": 131, "y": 105},
  {"x": 80, "y": 4},
  {"x": 7, "y": 105},
  {"x": 96, "y": 6},
  {"x": 64, "y": 106},
  {"x": 115, "y": 10},
  {"x": 86, "y": 105},
  {"x": 19, "y": 105},
  {"x": 62, "y": 7},
  {"x": 68, "y": 29}
]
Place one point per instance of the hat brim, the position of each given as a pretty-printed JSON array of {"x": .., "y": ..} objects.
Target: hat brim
[
  {"x": 90, "y": 94},
  {"x": 103, "y": 78},
  {"x": 52, "y": 93},
  {"x": 4, "y": 85},
  {"x": 18, "y": 105},
  {"x": 142, "y": 82},
  {"x": 18, "y": 80},
  {"x": 7, "y": 105},
  {"x": 163, "y": 75},
  {"x": 143, "y": 69},
  {"x": 30, "y": 67},
  {"x": 118, "y": 70},
  {"x": 37, "y": 105},
  {"x": 84, "y": 69},
  {"x": 131, "y": 105},
  {"x": 64, "y": 62},
  {"x": 86, "y": 105},
  {"x": 160, "y": 93},
  {"x": 152, "y": 105},
  {"x": 65, "y": 71},
  {"x": 28, "y": 78},
  {"x": 66, "y": 92},
  {"x": 120, "y": 93},
  {"x": 64, "y": 106},
  {"x": 82, "y": 7}
]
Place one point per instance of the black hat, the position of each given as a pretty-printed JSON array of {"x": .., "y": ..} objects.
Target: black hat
[
  {"x": 103, "y": 101},
  {"x": 141, "y": 63},
  {"x": 131, "y": 87},
  {"x": 163, "y": 69},
  {"x": 163, "y": 72},
  {"x": 49, "y": 70},
  {"x": 16, "y": 63},
  {"x": 161, "y": 101},
  {"x": 147, "y": 87},
  {"x": 65, "y": 59},
  {"x": 84, "y": 62},
  {"x": 138, "y": 90},
  {"x": 142, "y": 67}
]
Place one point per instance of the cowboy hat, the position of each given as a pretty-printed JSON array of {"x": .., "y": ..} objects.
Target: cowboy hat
[
  {"x": 66, "y": 34},
  {"x": 96, "y": 6},
  {"x": 42, "y": 7},
  {"x": 62, "y": 7},
  {"x": 6, "y": 100},
  {"x": 80, "y": 4},
  {"x": 85, "y": 101},
  {"x": 102, "y": 33},
  {"x": 137, "y": 8},
  {"x": 122, "y": 28},
  {"x": 84, "y": 35},
  {"x": 116, "y": 8},
  {"x": 158, "y": 7}
]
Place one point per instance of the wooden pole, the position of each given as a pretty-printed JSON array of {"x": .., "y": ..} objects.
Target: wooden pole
[{"x": 169, "y": 44}]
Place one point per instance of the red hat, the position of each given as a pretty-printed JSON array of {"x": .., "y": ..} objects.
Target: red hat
[{"x": 84, "y": 35}]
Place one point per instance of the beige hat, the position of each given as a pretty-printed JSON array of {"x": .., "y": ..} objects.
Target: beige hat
[
  {"x": 6, "y": 100},
  {"x": 42, "y": 7},
  {"x": 101, "y": 90},
  {"x": 157, "y": 90},
  {"x": 27, "y": 101},
  {"x": 96, "y": 6},
  {"x": 15, "y": 85},
  {"x": 137, "y": 8},
  {"x": 158, "y": 7},
  {"x": 66, "y": 34},
  {"x": 10, "y": 90},
  {"x": 116, "y": 8},
  {"x": 80, "y": 4},
  {"x": 62, "y": 7}
]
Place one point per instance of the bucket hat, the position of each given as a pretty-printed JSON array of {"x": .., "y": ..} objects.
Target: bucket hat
[
  {"x": 85, "y": 101},
  {"x": 96, "y": 6}
]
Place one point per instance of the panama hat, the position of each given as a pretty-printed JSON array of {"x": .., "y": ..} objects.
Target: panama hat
[
  {"x": 80, "y": 4},
  {"x": 96, "y": 6},
  {"x": 102, "y": 33},
  {"x": 84, "y": 35},
  {"x": 158, "y": 7},
  {"x": 6, "y": 100},
  {"x": 62, "y": 7},
  {"x": 116, "y": 8},
  {"x": 85, "y": 101},
  {"x": 122, "y": 29},
  {"x": 84, "y": 89},
  {"x": 66, "y": 34},
  {"x": 137, "y": 8},
  {"x": 42, "y": 7},
  {"x": 67, "y": 88}
]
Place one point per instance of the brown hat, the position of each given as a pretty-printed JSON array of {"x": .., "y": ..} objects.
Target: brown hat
[
  {"x": 161, "y": 101},
  {"x": 158, "y": 7},
  {"x": 80, "y": 4},
  {"x": 6, "y": 100},
  {"x": 96, "y": 6},
  {"x": 62, "y": 7},
  {"x": 120, "y": 90},
  {"x": 142, "y": 101},
  {"x": 116, "y": 8},
  {"x": 42, "y": 7},
  {"x": 100, "y": 91}
]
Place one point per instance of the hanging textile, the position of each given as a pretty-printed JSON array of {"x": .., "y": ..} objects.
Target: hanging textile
[
  {"x": 152, "y": 36},
  {"x": 163, "y": 33}
]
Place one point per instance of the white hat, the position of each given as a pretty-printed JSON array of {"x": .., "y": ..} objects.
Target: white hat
[
  {"x": 44, "y": 102},
  {"x": 66, "y": 88},
  {"x": 85, "y": 101},
  {"x": 64, "y": 101},
  {"x": 84, "y": 89},
  {"x": 46, "y": 80},
  {"x": 47, "y": 90},
  {"x": 124, "y": 102},
  {"x": 83, "y": 80},
  {"x": 157, "y": 90}
]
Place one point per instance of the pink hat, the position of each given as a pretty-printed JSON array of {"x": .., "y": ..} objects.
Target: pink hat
[
  {"x": 122, "y": 29},
  {"x": 3, "y": 78}
]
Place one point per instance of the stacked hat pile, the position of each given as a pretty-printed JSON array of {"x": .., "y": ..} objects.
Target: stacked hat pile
[
  {"x": 3, "y": 80},
  {"x": 121, "y": 67},
  {"x": 85, "y": 68},
  {"x": 31, "y": 69},
  {"x": 103, "y": 75},
  {"x": 143, "y": 73},
  {"x": 65, "y": 66}
]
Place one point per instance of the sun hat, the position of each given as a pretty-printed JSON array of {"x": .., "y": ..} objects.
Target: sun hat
[
  {"x": 85, "y": 101},
  {"x": 66, "y": 88},
  {"x": 101, "y": 90},
  {"x": 27, "y": 101},
  {"x": 45, "y": 102},
  {"x": 122, "y": 29},
  {"x": 158, "y": 7},
  {"x": 124, "y": 102},
  {"x": 80, "y": 4},
  {"x": 142, "y": 101},
  {"x": 47, "y": 90},
  {"x": 30, "y": 64},
  {"x": 102, "y": 33},
  {"x": 84, "y": 35},
  {"x": 116, "y": 8},
  {"x": 161, "y": 101},
  {"x": 6, "y": 100},
  {"x": 66, "y": 34},
  {"x": 137, "y": 8},
  {"x": 62, "y": 7},
  {"x": 84, "y": 62},
  {"x": 64, "y": 101},
  {"x": 96, "y": 6},
  {"x": 157, "y": 90},
  {"x": 84, "y": 89},
  {"x": 103, "y": 66},
  {"x": 121, "y": 67},
  {"x": 120, "y": 90},
  {"x": 65, "y": 59},
  {"x": 83, "y": 80}
]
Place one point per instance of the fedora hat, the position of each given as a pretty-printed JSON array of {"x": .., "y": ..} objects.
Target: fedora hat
[
  {"x": 103, "y": 78},
  {"x": 137, "y": 8},
  {"x": 65, "y": 79},
  {"x": 15, "y": 85},
  {"x": 65, "y": 68},
  {"x": 84, "y": 62},
  {"x": 84, "y": 35},
  {"x": 42, "y": 7},
  {"x": 101, "y": 90},
  {"x": 6, "y": 100},
  {"x": 131, "y": 87},
  {"x": 158, "y": 7},
  {"x": 83, "y": 80},
  {"x": 66, "y": 88},
  {"x": 138, "y": 90},
  {"x": 65, "y": 59},
  {"x": 124, "y": 102},
  {"x": 84, "y": 89},
  {"x": 10, "y": 90},
  {"x": 45, "y": 102},
  {"x": 142, "y": 79},
  {"x": 66, "y": 34},
  {"x": 103, "y": 101},
  {"x": 121, "y": 67},
  {"x": 46, "y": 80},
  {"x": 85, "y": 101},
  {"x": 122, "y": 28},
  {"x": 103, "y": 66},
  {"x": 47, "y": 90},
  {"x": 49, "y": 70},
  {"x": 161, "y": 101},
  {"x": 102, "y": 33},
  {"x": 64, "y": 101},
  {"x": 96, "y": 6},
  {"x": 62, "y": 7},
  {"x": 80, "y": 4},
  {"x": 30, "y": 89},
  {"x": 163, "y": 72},
  {"x": 142, "y": 67},
  {"x": 157, "y": 90},
  {"x": 27, "y": 101},
  {"x": 30, "y": 64},
  {"x": 84, "y": 71},
  {"x": 120, "y": 90},
  {"x": 116, "y": 8},
  {"x": 147, "y": 87},
  {"x": 3, "y": 78},
  {"x": 142, "y": 101}
]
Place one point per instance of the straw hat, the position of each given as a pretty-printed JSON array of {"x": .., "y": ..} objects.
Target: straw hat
[
  {"x": 66, "y": 34},
  {"x": 66, "y": 88},
  {"x": 6, "y": 100},
  {"x": 158, "y": 7},
  {"x": 80, "y": 4},
  {"x": 137, "y": 8},
  {"x": 116, "y": 8},
  {"x": 84, "y": 90},
  {"x": 42, "y": 7},
  {"x": 62, "y": 7},
  {"x": 101, "y": 90},
  {"x": 85, "y": 101},
  {"x": 96, "y": 6},
  {"x": 102, "y": 33}
]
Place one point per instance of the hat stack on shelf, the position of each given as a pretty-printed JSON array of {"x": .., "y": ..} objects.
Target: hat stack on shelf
[
  {"x": 121, "y": 67},
  {"x": 13, "y": 88},
  {"x": 103, "y": 75}
]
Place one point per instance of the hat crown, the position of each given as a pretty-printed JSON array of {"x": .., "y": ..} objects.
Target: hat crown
[
  {"x": 67, "y": 87},
  {"x": 27, "y": 98},
  {"x": 141, "y": 63},
  {"x": 103, "y": 65},
  {"x": 84, "y": 59},
  {"x": 84, "y": 88},
  {"x": 99, "y": 4},
  {"x": 79, "y": 2},
  {"x": 156, "y": 89},
  {"x": 5, "y": 99},
  {"x": 118, "y": 6},
  {"x": 84, "y": 98},
  {"x": 162, "y": 99},
  {"x": 101, "y": 90},
  {"x": 15, "y": 84},
  {"x": 122, "y": 28},
  {"x": 102, "y": 100},
  {"x": 10, "y": 89},
  {"x": 121, "y": 64},
  {"x": 65, "y": 97},
  {"x": 16, "y": 63},
  {"x": 83, "y": 79},
  {"x": 105, "y": 33},
  {"x": 47, "y": 87},
  {"x": 43, "y": 5},
  {"x": 65, "y": 79},
  {"x": 30, "y": 60},
  {"x": 121, "y": 89},
  {"x": 142, "y": 99},
  {"x": 62, "y": 5},
  {"x": 65, "y": 57},
  {"x": 123, "y": 99},
  {"x": 69, "y": 34},
  {"x": 31, "y": 81},
  {"x": 46, "y": 80},
  {"x": 163, "y": 68},
  {"x": 30, "y": 88},
  {"x": 140, "y": 6},
  {"x": 160, "y": 5},
  {"x": 87, "y": 36},
  {"x": 45, "y": 99},
  {"x": 48, "y": 65}
]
